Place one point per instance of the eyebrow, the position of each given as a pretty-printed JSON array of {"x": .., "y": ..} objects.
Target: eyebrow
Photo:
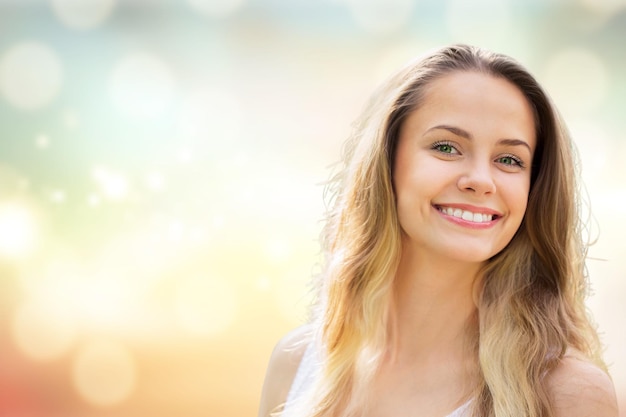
[{"x": 467, "y": 135}]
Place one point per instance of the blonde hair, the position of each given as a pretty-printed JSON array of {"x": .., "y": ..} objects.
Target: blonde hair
[{"x": 531, "y": 303}]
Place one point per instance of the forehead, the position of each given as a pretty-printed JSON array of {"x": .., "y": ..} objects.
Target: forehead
[
  {"x": 483, "y": 104},
  {"x": 475, "y": 88}
]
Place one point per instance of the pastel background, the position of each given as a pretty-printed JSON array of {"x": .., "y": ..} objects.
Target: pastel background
[{"x": 161, "y": 170}]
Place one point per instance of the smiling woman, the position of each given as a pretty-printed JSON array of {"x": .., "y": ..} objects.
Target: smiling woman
[{"x": 454, "y": 281}]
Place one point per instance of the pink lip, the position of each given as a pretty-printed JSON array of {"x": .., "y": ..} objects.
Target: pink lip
[{"x": 466, "y": 223}]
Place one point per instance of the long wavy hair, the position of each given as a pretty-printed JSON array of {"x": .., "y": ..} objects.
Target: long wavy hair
[{"x": 531, "y": 300}]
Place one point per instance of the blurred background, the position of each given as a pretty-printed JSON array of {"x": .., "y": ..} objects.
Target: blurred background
[{"x": 161, "y": 171}]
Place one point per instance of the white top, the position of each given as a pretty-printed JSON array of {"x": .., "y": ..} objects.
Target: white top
[{"x": 306, "y": 374}]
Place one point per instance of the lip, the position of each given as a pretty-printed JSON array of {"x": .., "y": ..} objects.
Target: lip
[{"x": 474, "y": 209}]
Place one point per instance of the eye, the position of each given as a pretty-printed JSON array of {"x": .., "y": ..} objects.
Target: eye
[
  {"x": 445, "y": 147},
  {"x": 511, "y": 160}
]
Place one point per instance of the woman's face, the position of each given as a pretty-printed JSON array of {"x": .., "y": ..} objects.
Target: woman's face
[{"x": 462, "y": 167}]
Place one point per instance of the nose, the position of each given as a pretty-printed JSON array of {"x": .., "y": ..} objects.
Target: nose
[{"x": 477, "y": 179}]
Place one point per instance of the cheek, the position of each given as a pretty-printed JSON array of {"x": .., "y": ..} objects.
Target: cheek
[{"x": 518, "y": 201}]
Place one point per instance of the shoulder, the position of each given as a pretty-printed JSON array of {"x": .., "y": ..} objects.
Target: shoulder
[
  {"x": 579, "y": 388},
  {"x": 282, "y": 368}
]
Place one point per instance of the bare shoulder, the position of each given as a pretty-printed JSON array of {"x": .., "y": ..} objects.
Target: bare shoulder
[
  {"x": 282, "y": 368},
  {"x": 581, "y": 389}
]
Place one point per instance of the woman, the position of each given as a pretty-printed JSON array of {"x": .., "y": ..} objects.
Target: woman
[{"x": 454, "y": 276}]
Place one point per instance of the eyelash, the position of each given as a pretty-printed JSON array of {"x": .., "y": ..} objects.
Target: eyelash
[
  {"x": 436, "y": 146},
  {"x": 516, "y": 161}
]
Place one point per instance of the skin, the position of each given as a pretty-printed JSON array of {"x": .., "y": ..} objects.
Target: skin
[
  {"x": 282, "y": 369},
  {"x": 469, "y": 146}
]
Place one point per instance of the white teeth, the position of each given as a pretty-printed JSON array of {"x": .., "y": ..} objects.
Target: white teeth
[{"x": 467, "y": 215}]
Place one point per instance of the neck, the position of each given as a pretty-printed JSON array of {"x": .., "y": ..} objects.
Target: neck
[{"x": 433, "y": 311}]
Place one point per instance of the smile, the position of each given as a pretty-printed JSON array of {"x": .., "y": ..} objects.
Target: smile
[{"x": 467, "y": 215}]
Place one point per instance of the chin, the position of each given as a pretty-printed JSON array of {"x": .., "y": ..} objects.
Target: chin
[{"x": 474, "y": 257}]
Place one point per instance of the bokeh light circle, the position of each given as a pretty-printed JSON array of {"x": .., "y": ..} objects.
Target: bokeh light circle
[
  {"x": 42, "y": 141},
  {"x": 381, "y": 16},
  {"x": 104, "y": 372},
  {"x": 206, "y": 306},
  {"x": 142, "y": 85},
  {"x": 82, "y": 14},
  {"x": 18, "y": 230},
  {"x": 216, "y": 8},
  {"x": 42, "y": 330},
  {"x": 31, "y": 75},
  {"x": 113, "y": 185},
  {"x": 577, "y": 79}
]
